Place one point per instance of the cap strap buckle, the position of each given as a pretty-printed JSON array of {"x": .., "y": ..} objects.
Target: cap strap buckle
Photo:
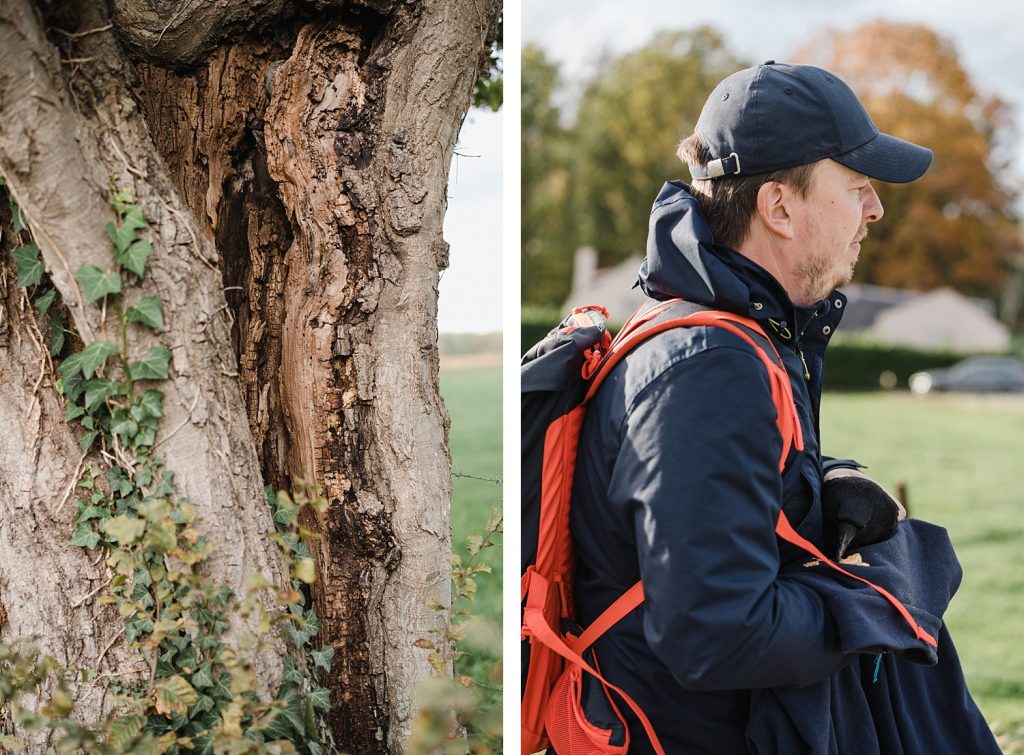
[{"x": 723, "y": 166}]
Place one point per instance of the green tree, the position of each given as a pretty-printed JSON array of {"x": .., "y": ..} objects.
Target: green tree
[
  {"x": 956, "y": 226},
  {"x": 631, "y": 118},
  {"x": 547, "y": 232}
]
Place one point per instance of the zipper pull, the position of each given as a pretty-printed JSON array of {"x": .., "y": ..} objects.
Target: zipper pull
[{"x": 807, "y": 372}]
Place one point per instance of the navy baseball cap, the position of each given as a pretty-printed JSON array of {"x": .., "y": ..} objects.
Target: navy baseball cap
[{"x": 779, "y": 115}]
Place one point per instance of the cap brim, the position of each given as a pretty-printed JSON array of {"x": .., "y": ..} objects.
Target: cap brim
[{"x": 887, "y": 158}]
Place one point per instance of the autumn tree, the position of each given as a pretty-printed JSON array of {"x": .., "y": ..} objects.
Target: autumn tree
[
  {"x": 219, "y": 273},
  {"x": 955, "y": 226}
]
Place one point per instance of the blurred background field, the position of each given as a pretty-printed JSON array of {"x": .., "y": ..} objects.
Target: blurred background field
[
  {"x": 471, "y": 387},
  {"x": 959, "y": 457}
]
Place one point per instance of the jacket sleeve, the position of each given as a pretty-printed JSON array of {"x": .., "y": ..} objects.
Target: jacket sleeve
[{"x": 698, "y": 471}]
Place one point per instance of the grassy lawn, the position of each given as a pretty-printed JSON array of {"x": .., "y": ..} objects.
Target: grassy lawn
[
  {"x": 959, "y": 456},
  {"x": 473, "y": 397}
]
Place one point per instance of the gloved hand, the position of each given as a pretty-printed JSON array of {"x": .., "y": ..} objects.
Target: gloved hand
[{"x": 857, "y": 511}]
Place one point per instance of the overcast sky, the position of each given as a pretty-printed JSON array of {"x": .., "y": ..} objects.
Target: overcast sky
[
  {"x": 470, "y": 291},
  {"x": 988, "y": 35}
]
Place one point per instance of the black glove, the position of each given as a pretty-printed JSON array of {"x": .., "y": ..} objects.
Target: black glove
[{"x": 856, "y": 511}]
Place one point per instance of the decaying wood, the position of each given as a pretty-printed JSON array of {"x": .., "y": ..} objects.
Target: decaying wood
[
  {"x": 296, "y": 182},
  {"x": 58, "y": 154}
]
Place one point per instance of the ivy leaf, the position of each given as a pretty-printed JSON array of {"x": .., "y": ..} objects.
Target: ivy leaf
[
  {"x": 174, "y": 695},
  {"x": 321, "y": 698},
  {"x": 97, "y": 283},
  {"x": 73, "y": 412},
  {"x": 99, "y": 390},
  {"x": 153, "y": 366},
  {"x": 152, "y": 402},
  {"x": 43, "y": 302},
  {"x": 149, "y": 311},
  {"x": 85, "y": 536},
  {"x": 20, "y": 224},
  {"x": 304, "y": 570},
  {"x": 134, "y": 257},
  {"x": 123, "y": 731},
  {"x": 89, "y": 360},
  {"x": 202, "y": 678},
  {"x": 30, "y": 267},
  {"x": 124, "y": 529},
  {"x": 121, "y": 423},
  {"x": 56, "y": 335},
  {"x": 86, "y": 441},
  {"x": 322, "y": 658},
  {"x": 122, "y": 200}
]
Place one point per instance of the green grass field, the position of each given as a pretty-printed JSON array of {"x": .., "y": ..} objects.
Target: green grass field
[
  {"x": 959, "y": 457},
  {"x": 473, "y": 398}
]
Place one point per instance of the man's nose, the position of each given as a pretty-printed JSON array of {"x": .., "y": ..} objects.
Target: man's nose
[{"x": 873, "y": 209}]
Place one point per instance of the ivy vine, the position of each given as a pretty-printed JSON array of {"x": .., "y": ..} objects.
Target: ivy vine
[{"x": 200, "y": 694}]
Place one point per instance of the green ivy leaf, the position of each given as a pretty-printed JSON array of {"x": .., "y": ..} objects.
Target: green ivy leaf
[
  {"x": 99, "y": 390},
  {"x": 43, "y": 302},
  {"x": 124, "y": 529},
  {"x": 73, "y": 412},
  {"x": 92, "y": 512},
  {"x": 97, "y": 283},
  {"x": 121, "y": 423},
  {"x": 20, "y": 224},
  {"x": 321, "y": 698},
  {"x": 322, "y": 658},
  {"x": 122, "y": 200},
  {"x": 152, "y": 403},
  {"x": 134, "y": 257},
  {"x": 88, "y": 360},
  {"x": 56, "y": 335},
  {"x": 153, "y": 366},
  {"x": 86, "y": 441},
  {"x": 30, "y": 267},
  {"x": 149, "y": 311},
  {"x": 203, "y": 678},
  {"x": 85, "y": 536}
]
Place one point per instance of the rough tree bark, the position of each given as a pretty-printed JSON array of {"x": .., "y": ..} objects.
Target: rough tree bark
[{"x": 293, "y": 160}]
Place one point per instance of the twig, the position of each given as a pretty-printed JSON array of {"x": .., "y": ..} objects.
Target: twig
[
  {"x": 76, "y": 61},
  {"x": 86, "y": 33},
  {"x": 73, "y": 483},
  {"x": 80, "y": 601},
  {"x": 134, "y": 171},
  {"x": 110, "y": 644},
  {"x": 183, "y": 422},
  {"x": 495, "y": 480}
]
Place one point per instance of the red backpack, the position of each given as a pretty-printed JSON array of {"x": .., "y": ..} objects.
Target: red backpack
[{"x": 558, "y": 378}]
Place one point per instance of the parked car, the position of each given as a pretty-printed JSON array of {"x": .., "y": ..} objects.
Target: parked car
[{"x": 974, "y": 374}]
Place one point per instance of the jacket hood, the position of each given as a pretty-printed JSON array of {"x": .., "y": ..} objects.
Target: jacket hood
[{"x": 683, "y": 260}]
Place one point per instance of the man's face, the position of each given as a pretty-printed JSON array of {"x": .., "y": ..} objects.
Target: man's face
[{"x": 832, "y": 221}]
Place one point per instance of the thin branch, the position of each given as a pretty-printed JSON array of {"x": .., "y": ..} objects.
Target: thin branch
[
  {"x": 72, "y": 484},
  {"x": 86, "y": 33},
  {"x": 80, "y": 601},
  {"x": 110, "y": 644},
  {"x": 183, "y": 422},
  {"x": 128, "y": 166},
  {"x": 495, "y": 480}
]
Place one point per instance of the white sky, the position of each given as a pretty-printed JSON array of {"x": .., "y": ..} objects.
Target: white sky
[
  {"x": 470, "y": 291},
  {"x": 988, "y": 35}
]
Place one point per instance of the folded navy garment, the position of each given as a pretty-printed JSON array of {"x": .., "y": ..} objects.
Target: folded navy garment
[{"x": 902, "y": 696}]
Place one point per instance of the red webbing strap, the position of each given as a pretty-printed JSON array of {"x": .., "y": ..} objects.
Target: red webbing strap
[
  {"x": 533, "y": 619},
  {"x": 785, "y": 531},
  {"x": 625, "y": 603},
  {"x": 788, "y": 421}
]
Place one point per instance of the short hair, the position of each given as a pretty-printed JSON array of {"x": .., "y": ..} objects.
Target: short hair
[{"x": 728, "y": 203}]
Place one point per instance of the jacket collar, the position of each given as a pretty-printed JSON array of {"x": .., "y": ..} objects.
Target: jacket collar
[{"x": 683, "y": 260}]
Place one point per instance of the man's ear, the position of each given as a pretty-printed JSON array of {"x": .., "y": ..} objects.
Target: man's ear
[{"x": 773, "y": 208}]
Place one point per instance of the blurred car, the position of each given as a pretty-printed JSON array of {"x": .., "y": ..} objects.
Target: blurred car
[{"x": 974, "y": 374}]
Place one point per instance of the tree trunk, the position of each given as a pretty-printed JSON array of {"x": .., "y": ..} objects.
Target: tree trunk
[{"x": 293, "y": 164}]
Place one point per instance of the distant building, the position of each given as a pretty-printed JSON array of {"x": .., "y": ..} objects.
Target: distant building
[
  {"x": 939, "y": 319},
  {"x": 610, "y": 287}
]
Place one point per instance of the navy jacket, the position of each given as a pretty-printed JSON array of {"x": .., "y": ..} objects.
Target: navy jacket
[{"x": 677, "y": 483}]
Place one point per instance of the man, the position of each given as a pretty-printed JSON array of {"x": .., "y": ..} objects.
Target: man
[{"x": 677, "y": 481}]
